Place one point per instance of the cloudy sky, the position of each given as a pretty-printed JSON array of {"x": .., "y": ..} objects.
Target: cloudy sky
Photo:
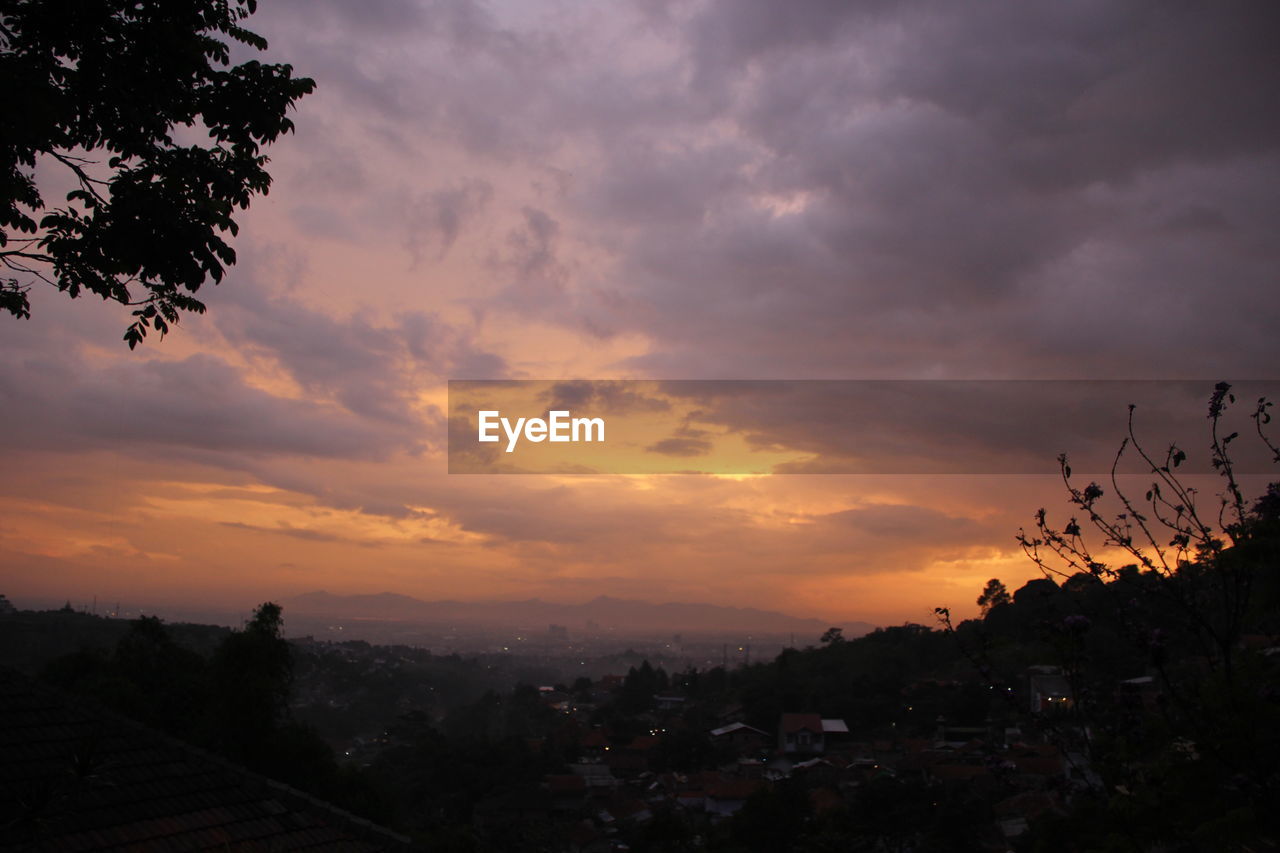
[{"x": 656, "y": 190}]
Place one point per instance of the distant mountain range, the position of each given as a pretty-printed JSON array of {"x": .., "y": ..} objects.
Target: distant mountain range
[{"x": 604, "y": 612}]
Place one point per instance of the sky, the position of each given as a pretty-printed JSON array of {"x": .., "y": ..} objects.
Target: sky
[{"x": 657, "y": 190}]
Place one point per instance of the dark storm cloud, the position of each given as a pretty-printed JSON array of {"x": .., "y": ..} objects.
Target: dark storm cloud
[
  {"x": 960, "y": 189},
  {"x": 1076, "y": 92},
  {"x": 979, "y": 427},
  {"x": 416, "y": 73},
  {"x": 380, "y": 18},
  {"x": 914, "y": 188},
  {"x": 667, "y": 189}
]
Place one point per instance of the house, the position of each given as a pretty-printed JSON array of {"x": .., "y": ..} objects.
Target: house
[
  {"x": 806, "y": 734},
  {"x": 817, "y": 771},
  {"x": 596, "y": 776},
  {"x": 631, "y": 759},
  {"x": 594, "y": 745},
  {"x": 835, "y": 733},
  {"x": 800, "y": 733},
  {"x": 556, "y": 699},
  {"x": 741, "y": 738},
  {"x": 1050, "y": 690}
]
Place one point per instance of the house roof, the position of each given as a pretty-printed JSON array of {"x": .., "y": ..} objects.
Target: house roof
[
  {"x": 736, "y": 727},
  {"x": 801, "y": 722},
  {"x": 76, "y": 777},
  {"x": 835, "y": 727}
]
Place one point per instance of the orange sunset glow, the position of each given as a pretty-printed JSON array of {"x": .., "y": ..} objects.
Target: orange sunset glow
[{"x": 566, "y": 191}]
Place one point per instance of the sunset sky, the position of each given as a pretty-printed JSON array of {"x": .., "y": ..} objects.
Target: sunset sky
[{"x": 657, "y": 190}]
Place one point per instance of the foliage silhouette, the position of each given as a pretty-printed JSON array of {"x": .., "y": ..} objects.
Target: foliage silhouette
[
  {"x": 993, "y": 595},
  {"x": 151, "y": 87},
  {"x": 1173, "y": 695},
  {"x": 235, "y": 703}
]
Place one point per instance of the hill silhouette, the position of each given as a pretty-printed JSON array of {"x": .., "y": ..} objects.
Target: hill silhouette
[{"x": 606, "y": 612}]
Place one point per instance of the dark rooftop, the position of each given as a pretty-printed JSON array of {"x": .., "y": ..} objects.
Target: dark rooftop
[{"x": 75, "y": 777}]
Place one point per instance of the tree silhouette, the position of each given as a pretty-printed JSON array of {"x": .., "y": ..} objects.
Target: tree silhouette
[
  {"x": 149, "y": 86},
  {"x": 235, "y": 703},
  {"x": 993, "y": 595},
  {"x": 252, "y": 675},
  {"x": 1198, "y": 601}
]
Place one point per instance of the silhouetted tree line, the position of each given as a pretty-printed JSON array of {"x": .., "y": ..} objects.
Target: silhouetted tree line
[{"x": 234, "y": 702}]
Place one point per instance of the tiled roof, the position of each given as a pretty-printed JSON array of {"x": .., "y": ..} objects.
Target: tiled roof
[
  {"x": 802, "y": 722},
  {"x": 77, "y": 778}
]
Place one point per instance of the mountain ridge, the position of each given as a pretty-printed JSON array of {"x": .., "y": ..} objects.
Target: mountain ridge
[{"x": 606, "y": 612}]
